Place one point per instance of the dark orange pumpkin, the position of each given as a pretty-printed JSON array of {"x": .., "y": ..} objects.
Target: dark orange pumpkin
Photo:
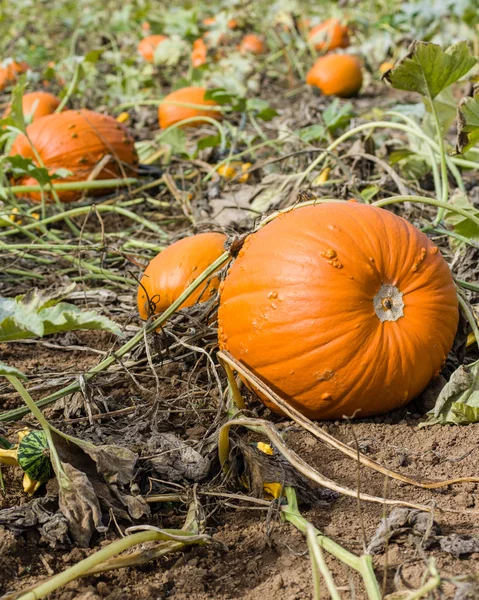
[
  {"x": 199, "y": 53},
  {"x": 340, "y": 307},
  {"x": 9, "y": 74},
  {"x": 336, "y": 75},
  {"x": 77, "y": 140},
  {"x": 174, "y": 107},
  {"x": 37, "y": 104},
  {"x": 173, "y": 270},
  {"x": 148, "y": 45},
  {"x": 252, "y": 44},
  {"x": 329, "y": 35}
]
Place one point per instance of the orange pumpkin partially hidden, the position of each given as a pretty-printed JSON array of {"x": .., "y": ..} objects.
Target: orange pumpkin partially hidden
[
  {"x": 37, "y": 104},
  {"x": 329, "y": 35},
  {"x": 252, "y": 44},
  {"x": 148, "y": 45},
  {"x": 336, "y": 75},
  {"x": 77, "y": 140},
  {"x": 340, "y": 307},
  {"x": 199, "y": 53},
  {"x": 174, "y": 109},
  {"x": 173, "y": 270},
  {"x": 9, "y": 74}
]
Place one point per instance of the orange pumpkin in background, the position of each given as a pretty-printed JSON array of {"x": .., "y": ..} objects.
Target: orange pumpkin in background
[
  {"x": 252, "y": 44},
  {"x": 336, "y": 75},
  {"x": 173, "y": 270},
  {"x": 340, "y": 307},
  {"x": 148, "y": 45},
  {"x": 211, "y": 21},
  {"x": 173, "y": 110},
  {"x": 37, "y": 104},
  {"x": 199, "y": 53},
  {"x": 77, "y": 140},
  {"x": 329, "y": 35},
  {"x": 385, "y": 67},
  {"x": 10, "y": 73}
]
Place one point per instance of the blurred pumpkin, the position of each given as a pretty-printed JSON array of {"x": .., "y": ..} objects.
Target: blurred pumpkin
[
  {"x": 252, "y": 44},
  {"x": 339, "y": 307},
  {"x": 329, "y": 35},
  {"x": 199, "y": 54},
  {"x": 148, "y": 45},
  {"x": 37, "y": 104},
  {"x": 145, "y": 26},
  {"x": 171, "y": 110},
  {"x": 10, "y": 72},
  {"x": 211, "y": 21},
  {"x": 336, "y": 75},
  {"x": 175, "y": 268},
  {"x": 385, "y": 66},
  {"x": 77, "y": 140}
]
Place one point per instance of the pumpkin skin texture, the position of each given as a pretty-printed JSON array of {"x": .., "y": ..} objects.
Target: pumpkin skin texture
[
  {"x": 252, "y": 44},
  {"x": 148, "y": 45},
  {"x": 336, "y": 75},
  {"x": 77, "y": 140},
  {"x": 169, "y": 112},
  {"x": 10, "y": 73},
  {"x": 38, "y": 104},
  {"x": 302, "y": 306},
  {"x": 173, "y": 270},
  {"x": 329, "y": 35}
]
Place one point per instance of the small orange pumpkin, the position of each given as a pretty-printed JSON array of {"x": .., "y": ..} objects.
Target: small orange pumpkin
[
  {"x": 173, "y": 270},
  {"x": 148, "y": 45},
  {"x": 9, "y": 74},
  {"x": 171, "y": 110},
  {"x": 77, "y": 140},
  {"x": 210, "y": 21},
  {"x": 252, "y": 44},
  {"x": 385, "y": 66},
  {"x": 37, "y": 104},
  {"x": 329, "y": 35},
  {"x": 336, "y": 75},
  {"x": 199, "y": 54},
  {"x": 340, "y": 307}
]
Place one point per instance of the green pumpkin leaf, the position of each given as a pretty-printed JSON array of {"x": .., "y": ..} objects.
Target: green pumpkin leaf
[
  {"x": 458, "y": 402},
  {"x": 459, "y": 224},
  {"x": 42, "y": 313},
  {"x": 16, "y": 105},
  {"x": 428, "y": 69},
  {"x": 338, "y": 115},
  {"x": 468, "y": 123},
  {"x": 7, "y": 370}
]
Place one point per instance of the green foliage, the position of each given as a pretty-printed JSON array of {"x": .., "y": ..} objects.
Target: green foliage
[
  {"x": 40, "y": 313},
  {"x": 428, "y": 69},
  {"x": 468, "y": 123},
  {"x": 460, "y": 224},
  {"x": 7, "y": 370}
]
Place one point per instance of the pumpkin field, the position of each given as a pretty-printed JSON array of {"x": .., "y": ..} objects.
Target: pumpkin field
[{"x": 239, "y": 310}]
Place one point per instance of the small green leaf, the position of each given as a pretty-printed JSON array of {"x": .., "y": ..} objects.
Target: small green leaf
[
  {"x": 221, "y": 96},
  {"x": 210, "y": 141},
  {"x": 428, "y": 69},
  {"x": 176, "y": 139},
  {"x": 261, "y": 109},
  {"x": 458, "y": 402},
  {"x": 16, "y": 104},
  {"x": 462, "y": 225},
  {"x": 21, "y": 167},
  {"x": 468, "y": 123},
  {"x": 7, "y": 370},
  {"x": 369, "y": 192},
  {"x": 42, "y": 313},
  {"x": 338, "y": 115},
  {"x": 312, "y": 133}
]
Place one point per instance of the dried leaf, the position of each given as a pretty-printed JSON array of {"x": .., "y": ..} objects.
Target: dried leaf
[
  {"x": 458, "y": 545},
  {"x": 404, "y": 521},
  {"x": 175, "y": 459}
]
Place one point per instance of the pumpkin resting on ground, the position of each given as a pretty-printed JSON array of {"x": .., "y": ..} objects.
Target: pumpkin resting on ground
[
  {"x": 336, "y": 75},
  {"x": 329, "y": 35},
  {"x": 77, "y": 140},
  {"x": 9, "y": 74},
  {"x": 148, "y": 45},
  {"x": 252, "y": 44},
  {"x": 37, "y": 104},
  {"x": 339, "y": 307},
  {"x": 173, "y": 270},
  {"x": 171, "y": 110}
]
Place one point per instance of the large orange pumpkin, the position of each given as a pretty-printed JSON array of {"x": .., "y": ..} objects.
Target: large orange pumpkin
[
  {"x": 9, "y": 74},
  {"x": 252, "y": 44},
  {"x": 77, "y": 140},
  {"x": 173, "y": 108},
  {"x": 336, "y": 75},
  {"x": 148, "y": 45},
  {"x": 340, "y": 307},
  {"x": 329, "y": 35},
  {"x": 37, "y": 104},
  {"x": 173, "y": 270}
]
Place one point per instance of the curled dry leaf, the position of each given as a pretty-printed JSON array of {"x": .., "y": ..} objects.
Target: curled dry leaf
[
  {"x": 403, "y": 521},
  {"x": 175, "y": 460}
]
